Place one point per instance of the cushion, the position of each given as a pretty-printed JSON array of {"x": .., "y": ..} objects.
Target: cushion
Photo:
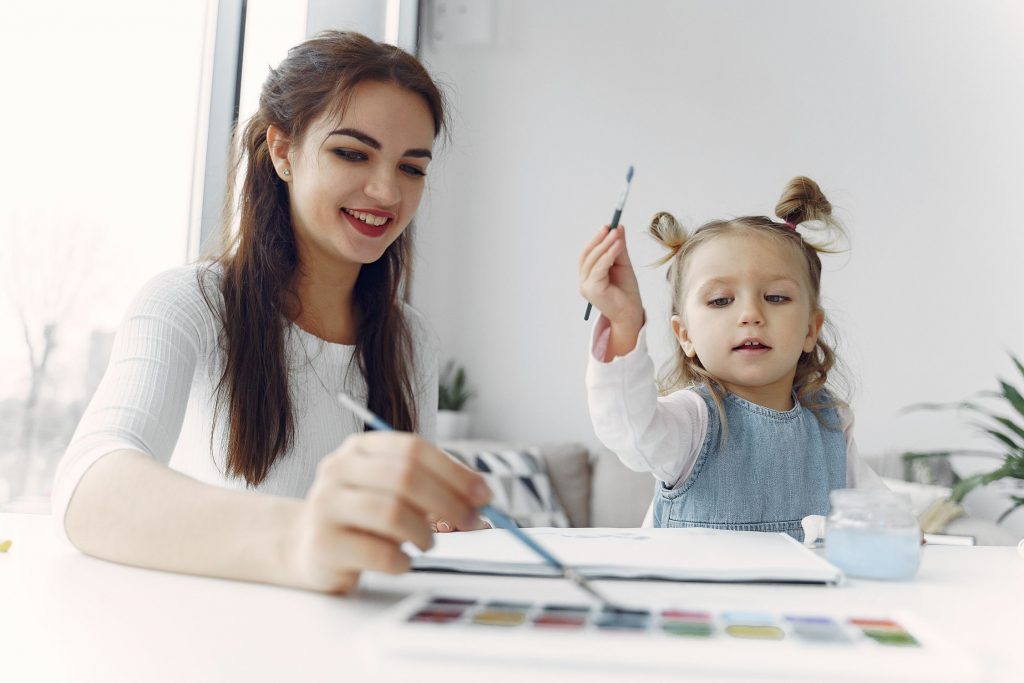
[
  {"x": 519, "y": 479},
  {"x": 569, "y": 468},
  {"x": 620, "y": 496}
]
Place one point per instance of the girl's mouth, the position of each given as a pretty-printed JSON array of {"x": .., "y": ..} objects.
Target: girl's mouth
[{"x": 752, "y": 346}]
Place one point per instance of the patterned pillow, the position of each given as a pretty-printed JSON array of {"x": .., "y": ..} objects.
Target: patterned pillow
[{"x": 520, "y": 482}]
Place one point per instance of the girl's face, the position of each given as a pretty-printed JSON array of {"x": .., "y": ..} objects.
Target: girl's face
[
  {"x": 355, "y": 183},
  {"x": 747, "y": 315}
]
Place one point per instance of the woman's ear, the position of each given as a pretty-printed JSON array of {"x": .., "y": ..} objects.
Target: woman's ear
[
  {"x": 280, "y": 146},
  {"x": 683, "y": 335},
  {"x": 813, "y": 330}
]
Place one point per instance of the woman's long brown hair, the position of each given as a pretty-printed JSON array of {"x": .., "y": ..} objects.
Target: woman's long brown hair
[{"x": 260, "y": 263}]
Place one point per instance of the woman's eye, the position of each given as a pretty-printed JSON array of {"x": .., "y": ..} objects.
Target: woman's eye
[
  {"x": 350, "y": 154},
  {"x": 720, "y": 302},
  {"x": 414, "y": 171},
  {"x": 776, "y": 298}
]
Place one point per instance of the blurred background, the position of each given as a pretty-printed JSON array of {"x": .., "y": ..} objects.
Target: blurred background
[{"x": 117, "y": 120}]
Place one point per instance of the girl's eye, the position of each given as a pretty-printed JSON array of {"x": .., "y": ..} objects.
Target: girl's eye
[
  {"x": 414, "y": 171},
  {"x": 776, "y": 298},
  {"x": 350, "y": 154},
  {"x": 720, "y": 302}
]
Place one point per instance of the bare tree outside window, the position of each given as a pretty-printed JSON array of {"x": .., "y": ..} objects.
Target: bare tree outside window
[
  {"x": 97, "y": 202},
  {"x": 51, "y": 280}
]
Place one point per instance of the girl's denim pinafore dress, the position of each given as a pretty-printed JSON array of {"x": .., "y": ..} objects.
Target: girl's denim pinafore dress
[{"x": 775, "y": 469}]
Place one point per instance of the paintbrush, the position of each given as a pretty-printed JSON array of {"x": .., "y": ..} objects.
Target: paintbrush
[
  {"x": 615, "y": 219},
  {"x": 499, "y": 518}
]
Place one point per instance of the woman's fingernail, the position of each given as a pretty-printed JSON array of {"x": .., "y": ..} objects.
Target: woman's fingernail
[{"x": 443, "y": 526}]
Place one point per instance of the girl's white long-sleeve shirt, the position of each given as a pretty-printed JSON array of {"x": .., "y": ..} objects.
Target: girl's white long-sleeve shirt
[
  {"x": 157, "y": 395},
  {"x": 664, "y": 435}
]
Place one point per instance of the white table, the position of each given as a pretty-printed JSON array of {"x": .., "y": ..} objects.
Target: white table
[{"x": 68, "y": 617}]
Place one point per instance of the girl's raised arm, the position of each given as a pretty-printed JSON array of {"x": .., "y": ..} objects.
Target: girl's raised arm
[{"x": 608, "y": 281}]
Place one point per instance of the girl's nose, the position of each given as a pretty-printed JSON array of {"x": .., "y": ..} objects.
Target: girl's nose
[{"x": 750, "y": 314}]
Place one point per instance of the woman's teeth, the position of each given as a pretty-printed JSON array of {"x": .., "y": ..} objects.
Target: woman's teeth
[{"x": 367, "y": 218}]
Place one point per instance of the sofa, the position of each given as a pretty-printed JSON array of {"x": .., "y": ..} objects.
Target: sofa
[
  {"x": 596, "y": 490},
  {"x": 591, "y": 485}
]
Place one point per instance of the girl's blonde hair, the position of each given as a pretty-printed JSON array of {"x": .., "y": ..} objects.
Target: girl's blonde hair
[{"x": 802, "y": 203}]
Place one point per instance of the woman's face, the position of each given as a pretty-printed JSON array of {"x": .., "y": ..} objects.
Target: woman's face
[{"x": 355, "y": 183}]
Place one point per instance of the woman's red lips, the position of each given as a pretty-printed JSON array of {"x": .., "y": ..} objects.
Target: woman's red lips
[{"x": 365, "y": 228}]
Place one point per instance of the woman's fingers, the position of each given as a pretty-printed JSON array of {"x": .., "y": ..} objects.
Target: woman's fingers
[
  {"x": 370, "y": 496},
  {"x": 409, "y": 468},
  {"x": 443, "y": 526},
  {"x": 383, "y": 515},
  {"x": 338, "y": 551}
]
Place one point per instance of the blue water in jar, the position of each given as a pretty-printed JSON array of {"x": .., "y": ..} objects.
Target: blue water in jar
[{"x": 874, "y": 553}]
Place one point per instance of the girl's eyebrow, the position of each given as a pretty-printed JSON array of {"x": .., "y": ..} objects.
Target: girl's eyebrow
[
  {"x": 370, "y": 141},
  {"x": 728, "y": 282}
]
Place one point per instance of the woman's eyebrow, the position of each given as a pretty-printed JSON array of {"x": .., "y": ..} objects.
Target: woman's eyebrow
[{"x": 370, "y": 141}]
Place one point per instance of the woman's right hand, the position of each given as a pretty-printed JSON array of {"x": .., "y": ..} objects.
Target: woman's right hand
[
  {"x": 376, "y": 491},
  {"x": 607, "y": 280}
]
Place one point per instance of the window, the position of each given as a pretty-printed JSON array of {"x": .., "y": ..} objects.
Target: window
[{"x": 100, "y": 138}]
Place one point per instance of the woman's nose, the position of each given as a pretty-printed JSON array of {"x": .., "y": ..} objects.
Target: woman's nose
[{"x": 383, "y": 187}]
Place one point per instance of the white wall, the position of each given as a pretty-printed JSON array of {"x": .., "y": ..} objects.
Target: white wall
[{"x": 910, "y": 115}]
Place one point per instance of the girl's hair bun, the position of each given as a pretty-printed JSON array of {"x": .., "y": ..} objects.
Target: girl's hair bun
[
  {"x": 802, "y": 201},
  {"x": 669, "y": 233}
]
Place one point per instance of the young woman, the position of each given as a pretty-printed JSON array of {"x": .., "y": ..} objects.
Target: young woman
[{"x": 215, "y": 444}]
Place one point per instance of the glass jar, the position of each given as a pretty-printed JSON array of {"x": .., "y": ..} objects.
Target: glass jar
[{"x": 872, "y": 534}]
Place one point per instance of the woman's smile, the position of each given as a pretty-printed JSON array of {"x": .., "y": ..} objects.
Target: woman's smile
[{"x": 370, "y": 222}]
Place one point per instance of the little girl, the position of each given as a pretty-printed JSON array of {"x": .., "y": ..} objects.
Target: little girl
[{"x": 746, "y": 434}]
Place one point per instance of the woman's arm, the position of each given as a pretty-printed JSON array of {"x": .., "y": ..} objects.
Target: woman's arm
[
  {"x": 116, "y": 498},
  {"x": 370, "y": 496},
  {"x": 132, "y": 509}
]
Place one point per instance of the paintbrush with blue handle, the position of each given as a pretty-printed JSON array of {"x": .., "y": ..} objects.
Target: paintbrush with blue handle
[
  {"x": 499, "y": 518},
  {"x": 615, "y": 219}
]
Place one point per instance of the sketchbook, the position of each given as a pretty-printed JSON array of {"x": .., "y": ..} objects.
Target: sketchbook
[{"x": 692, "y": 554}]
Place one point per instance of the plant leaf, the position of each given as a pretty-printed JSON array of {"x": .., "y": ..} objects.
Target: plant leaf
[
  {"x": 1020, "y": 367},
  {"x": 1003, "y": 438},
  {"x": 963, "y": 487},
  {"x": 1017, "y": 502},
  {"x": 1011, "y": 425},
  {"x": 934, "y": 406},
  {"x": 967, "y": 485},
  {"x": 1011, "y": 394},
  {"x": 909, "y": 456}
]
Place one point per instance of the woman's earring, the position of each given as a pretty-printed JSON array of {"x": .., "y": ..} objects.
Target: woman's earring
[{"x": 287, "y": 172}]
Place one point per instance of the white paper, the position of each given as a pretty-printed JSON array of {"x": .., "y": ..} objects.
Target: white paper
[{"x": 693, "y": 554}]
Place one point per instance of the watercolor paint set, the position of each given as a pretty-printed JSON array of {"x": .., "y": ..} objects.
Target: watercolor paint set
[{"x": 733, "y": 641}]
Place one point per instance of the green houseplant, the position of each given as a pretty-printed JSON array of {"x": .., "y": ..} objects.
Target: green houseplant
[
  {"x": 1003, "y": 424},
  {"x": 453, "y": 393}
]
